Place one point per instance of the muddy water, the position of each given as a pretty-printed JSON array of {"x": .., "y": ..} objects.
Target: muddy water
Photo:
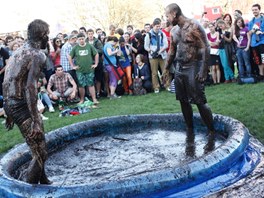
[
  {"x": 252, "y": 185},
  {"x": 112, "y": 158}
]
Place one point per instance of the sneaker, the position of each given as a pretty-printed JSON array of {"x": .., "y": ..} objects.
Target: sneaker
[
  {"x": 51, "y": 109},
  {"x": 96, "y": 102},
  {"x": 114, "y": 97},
  {"x": 44, "y": 117},
  {"x": 156, "y": 91}
]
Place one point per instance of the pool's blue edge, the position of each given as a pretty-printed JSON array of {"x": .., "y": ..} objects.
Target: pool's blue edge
[{"x": 209, "y": 169}]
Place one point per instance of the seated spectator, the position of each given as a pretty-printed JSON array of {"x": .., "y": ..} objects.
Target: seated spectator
[
  {"x": 43, "y": 95},
  {"x": 141, "y": 70},
  {"x": 58, "y": 85}
]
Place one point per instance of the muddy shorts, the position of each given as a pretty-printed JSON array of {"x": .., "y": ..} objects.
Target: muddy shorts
[
  {"x": 188, "y": 89},
  {"x": 17, "y": 109}
]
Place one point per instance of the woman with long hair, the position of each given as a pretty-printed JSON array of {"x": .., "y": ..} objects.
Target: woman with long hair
[
  {"x": 124, "y": 62},
  {"x": 242, "y": 39},
  {"x": 213, "y": 38},
  {"x": 55, "y": 55},
  {"x": 225, "y": 40}
]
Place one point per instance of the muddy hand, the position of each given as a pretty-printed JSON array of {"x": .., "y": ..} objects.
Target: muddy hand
[
  {"x": 9, "y": 123},
  {"x": 200, "y": 78}
]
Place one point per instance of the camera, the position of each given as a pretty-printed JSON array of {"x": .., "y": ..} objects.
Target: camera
[{"x": 155, "y": 55}]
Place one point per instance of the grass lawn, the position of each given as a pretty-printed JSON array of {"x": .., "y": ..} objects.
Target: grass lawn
[{"x": 242, "y": 102}]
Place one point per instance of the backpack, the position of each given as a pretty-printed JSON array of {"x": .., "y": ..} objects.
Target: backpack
[{"x": 138, "y": 87}]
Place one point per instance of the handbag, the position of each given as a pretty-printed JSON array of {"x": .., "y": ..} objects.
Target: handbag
[
  {"x": 117, "y": 70},
  {"x": 214, "y": 51}
]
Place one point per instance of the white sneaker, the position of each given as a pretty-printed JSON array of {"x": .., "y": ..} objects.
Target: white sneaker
[
  {"x": 51, "y": 109},
  {"x": 156, "y": 91},
  {"x": 44, "y": 117},
  {"x": 114, "y": 97}
]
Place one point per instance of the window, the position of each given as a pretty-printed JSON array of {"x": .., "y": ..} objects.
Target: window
[{"x": 215, "y": 11}]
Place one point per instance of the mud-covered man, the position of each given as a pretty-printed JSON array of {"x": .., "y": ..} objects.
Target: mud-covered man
[
  {"x": 189, "y": 52},
  {"x": 20, "y": 98}
]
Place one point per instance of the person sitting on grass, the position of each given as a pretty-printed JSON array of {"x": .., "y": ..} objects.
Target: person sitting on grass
[
  {"x": 42, "y": 93},
  {"x": 58, "y": 86}
]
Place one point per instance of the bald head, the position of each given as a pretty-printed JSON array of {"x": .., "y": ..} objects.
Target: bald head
[
  {"x": 174, "y": 8},
  {"x": 173, "y": 12}
]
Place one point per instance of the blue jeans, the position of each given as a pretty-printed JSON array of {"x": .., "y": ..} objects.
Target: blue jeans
[
  {"x": 45, "y": 99},
  {"x": 229, "y": 75},
  {"x": 243, "y": 58}
]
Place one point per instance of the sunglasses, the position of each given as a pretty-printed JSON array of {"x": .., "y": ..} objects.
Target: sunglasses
[{"x": 58, "y": 41}]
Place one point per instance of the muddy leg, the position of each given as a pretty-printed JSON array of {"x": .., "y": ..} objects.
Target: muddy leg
[
  {"x": 35, "y": 172},
  {"x": 207, "y": 116},
  {"x": 187, "y": 114}
]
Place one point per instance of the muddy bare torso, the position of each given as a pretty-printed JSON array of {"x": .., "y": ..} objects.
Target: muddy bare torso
[
  {"x": 189, "y": 40},
  {"x": 19, "y": 71}
]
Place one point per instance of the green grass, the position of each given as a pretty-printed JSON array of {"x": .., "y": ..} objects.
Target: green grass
[{"x": 242, "y": 102}]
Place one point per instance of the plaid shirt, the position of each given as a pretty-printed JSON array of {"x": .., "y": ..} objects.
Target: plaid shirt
[
  {"x": 65, "y": 51},
  {"x": 60, "y": 84}
]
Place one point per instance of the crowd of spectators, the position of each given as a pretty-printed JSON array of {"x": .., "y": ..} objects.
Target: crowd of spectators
[{"x": 79, "y": 65}]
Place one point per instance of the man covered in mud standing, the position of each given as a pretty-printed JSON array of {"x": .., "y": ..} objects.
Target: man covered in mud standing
[
  {"x": 189, "y": 52},
  {"x": 20, "y": 98}
]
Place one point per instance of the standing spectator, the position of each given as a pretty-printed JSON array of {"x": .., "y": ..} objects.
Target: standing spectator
[
  {"x": 166, "y": 31},
  {"x": 125, "y": 63},
  {"x": 147, "y": 27},
  {"x": 20, "y": 40},
  {"x": 86, "y": 59},
  {"x": 49, "y": 68},
  {"x": 99, "y": 73},
  {"x": 205, "y": 23},
  {"x": 237, "y": 13},
  {"x": 242, "y": 38},
  {"x": 112, "y": 31},
  {"x": 110, "y": 52},
  {"x": 65, "y": 53},
  {"x": 102, "y": 37},
  {"x": 138, "y": 47},
  {"x": 98, "y": 31},
  {"x": 4, "y": 56},
  {"x": 61, "y": 37},
  {"x": 82, "y": 30},
  {"x": 228, "y": 20},
  {"x": 130, "y": 29},
  {"x": 55, "y": 55},
  {"x": 256, "y": 27},
  {"x": 8, "y": 40},
  {"x": 13, "y": 47},
  {"x": 213, "y": 39},
  {"x": 225, "y": 39},
  {"x": 156, "y": 44}
]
